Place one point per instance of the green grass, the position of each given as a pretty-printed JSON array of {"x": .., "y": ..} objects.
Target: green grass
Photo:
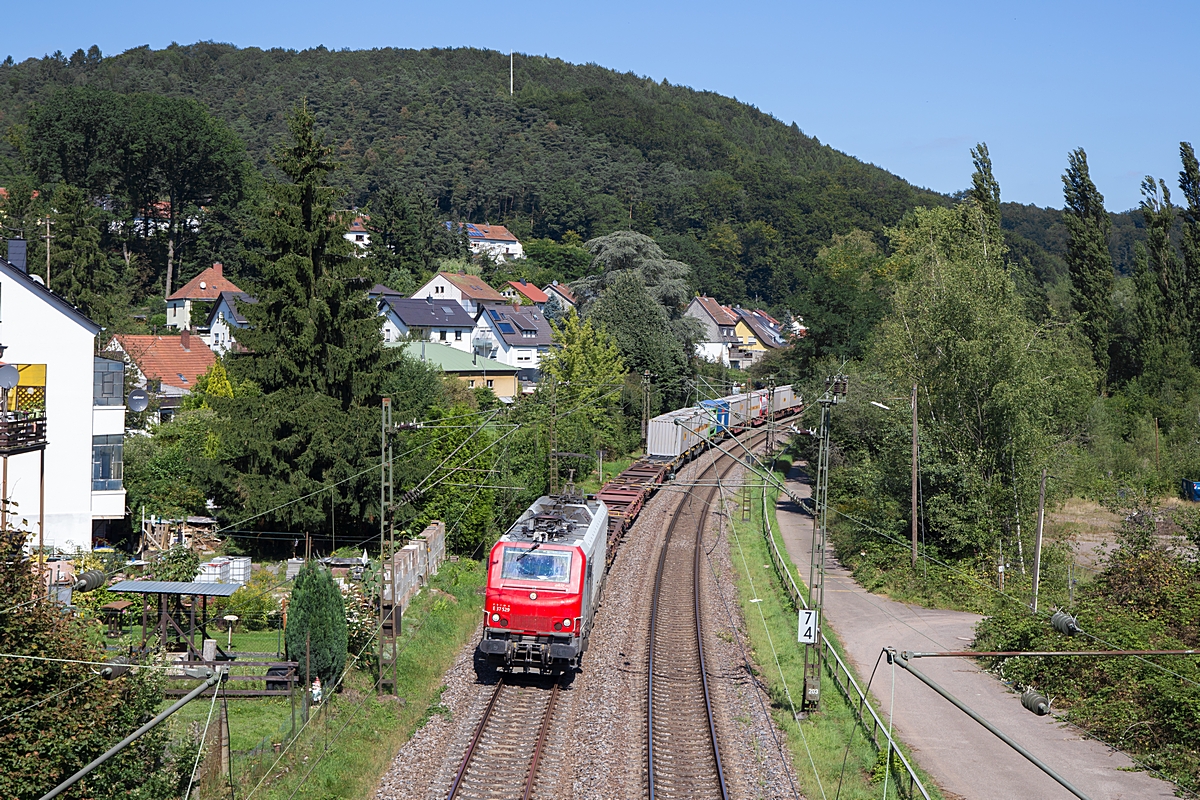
[
  {"x": 818, "y": 744},
  {"x": 351, "y": 743}
]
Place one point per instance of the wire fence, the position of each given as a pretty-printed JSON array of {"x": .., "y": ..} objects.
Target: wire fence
[{"x": 907, "y": 782}]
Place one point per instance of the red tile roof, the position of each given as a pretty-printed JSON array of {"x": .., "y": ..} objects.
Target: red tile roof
[
  {"x": 562, "y": 289},
  {"x": 208, "y": 285},
  {"x": 357, "y": 225},
  {"x": 722, "y": 315},
  {"x": 175, "y": 360},
  {"x": 533, "y": 293},
  {"x": 473, "y": 287}
]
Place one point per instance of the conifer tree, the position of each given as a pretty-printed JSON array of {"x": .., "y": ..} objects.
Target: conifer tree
[
  {"x": 316, "y": 634},
  {"x": 1088, "y": 260},
  {"x": 1189, "y": 183},
  {"x": 313, "y": 348}
]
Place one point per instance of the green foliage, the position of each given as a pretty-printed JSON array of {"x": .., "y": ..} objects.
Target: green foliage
[
  {"x": 179, "y": 563},
  {"x": 254, "y": 602},
  {"x": 408, "y": 240},
  {"x": 314, "y": 352},
  {"x": 998, "y": 393},
  {"x": 588, "y": 375},
  {"x": 1088, "y": 258},
  {"x": 642, "y": 329},
  {"x": 47, "y": 743},
  {"x": 167, "y": 472},
  {"x": 316, "y": 625},
  {"x": 1146, "y": 597},
  {"x": 362, "y": 622}
]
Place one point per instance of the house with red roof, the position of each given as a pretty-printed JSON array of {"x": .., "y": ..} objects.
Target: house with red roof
[
  {"x": 494, "y": 240},
  {"x": 358, "y": 235},
  {"x": 566, "y": 298},
  {"x": 524, "y": 293},
  {"x": 204, "y": 288},
  {"x": 170, "y": 364}
]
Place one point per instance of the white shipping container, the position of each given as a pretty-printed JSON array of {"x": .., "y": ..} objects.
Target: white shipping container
[
  {"x": 759, "y": 400},
  {"x": 676, "y": 432},
  {"x": 785, "y": 398},
  {"x": 739, "y": 410}
]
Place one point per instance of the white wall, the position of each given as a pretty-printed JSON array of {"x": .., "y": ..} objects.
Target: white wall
[
  {"x": 37, "y": 332},
  {"x": 179, "y": 314}
]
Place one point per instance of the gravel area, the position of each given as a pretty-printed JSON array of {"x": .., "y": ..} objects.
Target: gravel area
[{"x": 598, "y": 739}]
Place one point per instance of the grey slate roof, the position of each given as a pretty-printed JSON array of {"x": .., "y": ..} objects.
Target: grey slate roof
[
  {"x": 427, "y": 313},
  {"x": 54, "y": 299},
  {"x": 511, "y": 324},
  {"x": 176, "y": 587},
  {"x": 230, "y": 299}
]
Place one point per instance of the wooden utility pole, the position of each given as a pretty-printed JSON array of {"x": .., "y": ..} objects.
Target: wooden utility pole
[
  {"x": 914, "y": 477},
  {"x": 1037, "y": 546},
  {"x": 48, "y": 237},
  {"x": 1156, "y": 444}
]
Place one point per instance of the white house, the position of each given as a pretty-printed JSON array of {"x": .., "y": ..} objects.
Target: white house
[
  {"x": 494, "y": 240},
  {"x": 469, "y": 291},
  {"x": 358, "y": 235},
  {"x": 566, "y": 298},
  {"x": 442, "y": 321},
  {"x": 225, "y": 318},
  {"x": 720, "y": 329},
  {"x": 204, "y": 288},
  {"x": 68, "y": 407},
  {"x": 515, "y": 336}
]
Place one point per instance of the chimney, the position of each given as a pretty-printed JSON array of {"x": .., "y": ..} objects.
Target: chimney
[
  {"x": 523, "y": 281},
  {"x": 185, "y": 340},
  {"x": 219, "y": 269}
]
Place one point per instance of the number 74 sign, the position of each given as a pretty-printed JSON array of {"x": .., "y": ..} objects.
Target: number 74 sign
[{"x": 808, "y": 626}]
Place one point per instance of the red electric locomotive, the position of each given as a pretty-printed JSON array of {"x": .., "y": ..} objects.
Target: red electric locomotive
[{"x": 543, "y": 585}]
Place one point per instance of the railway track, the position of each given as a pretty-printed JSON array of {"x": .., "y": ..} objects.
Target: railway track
[
  {"x": 683, "y": 754},
  {"x": 502, "y": 758}
]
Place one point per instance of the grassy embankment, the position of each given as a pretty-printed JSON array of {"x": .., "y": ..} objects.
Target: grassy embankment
[
  {"x": 817, "y": 745},
  {"x": 349, "y": 745}
]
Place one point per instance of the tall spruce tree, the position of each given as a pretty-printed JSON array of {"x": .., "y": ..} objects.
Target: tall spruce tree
[
  {"x": 407, "y": 239},
  {"x": 316, "y": 633},
  {"x": 1088, "y": 260},
  {"x": 1189, "y": 184},
  {"x": 313, "y": 348}
]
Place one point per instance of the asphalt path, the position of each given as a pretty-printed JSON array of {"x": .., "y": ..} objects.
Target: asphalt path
[{"x": 964, "y": 758}]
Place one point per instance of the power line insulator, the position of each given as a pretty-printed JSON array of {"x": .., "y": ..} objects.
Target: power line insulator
[
  {"x": 1064, "y": 623},
  {"x": 1035, "y": 702},
  {"x": 90, "y": 581},
  {"x": 117, "y": 667}
]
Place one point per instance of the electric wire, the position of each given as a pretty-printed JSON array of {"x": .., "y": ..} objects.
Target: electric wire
[
  {"x": 775, "y": 654},
  {"x": 854, "y": 725},
  {"x": 50, "y": 697},
  {"x": 203, "y": 738},
  {"x": 742, "y": 647}
]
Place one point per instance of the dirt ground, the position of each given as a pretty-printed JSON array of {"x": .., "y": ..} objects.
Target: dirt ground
[{"x": 1091, "y": 528}]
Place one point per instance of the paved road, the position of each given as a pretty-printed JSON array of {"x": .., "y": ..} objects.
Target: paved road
[{"x": 964, "y": 759}]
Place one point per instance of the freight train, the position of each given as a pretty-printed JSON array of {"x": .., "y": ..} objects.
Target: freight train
[{"x": 545, "y": 574}]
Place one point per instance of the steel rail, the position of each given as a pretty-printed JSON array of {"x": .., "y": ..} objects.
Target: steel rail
[
  {"x": 537, "y": 751},
  {"x": 654, "y": 603},
  {"x": 466, "y": 760}
]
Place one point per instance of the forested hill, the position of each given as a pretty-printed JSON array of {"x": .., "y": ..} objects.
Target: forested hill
[{"x": 744, "y": 198}]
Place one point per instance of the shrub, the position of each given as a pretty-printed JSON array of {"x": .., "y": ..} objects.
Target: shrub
[{"x": 317, "y": 616}]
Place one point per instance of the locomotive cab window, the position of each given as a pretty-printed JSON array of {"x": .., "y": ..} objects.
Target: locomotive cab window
[{"x": 524, "y": 564}]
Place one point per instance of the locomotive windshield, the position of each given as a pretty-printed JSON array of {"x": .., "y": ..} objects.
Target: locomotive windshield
[{"x": 523, "y": 563}]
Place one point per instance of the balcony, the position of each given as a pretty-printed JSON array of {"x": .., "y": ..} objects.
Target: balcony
[{"x": 22, "y": 431}]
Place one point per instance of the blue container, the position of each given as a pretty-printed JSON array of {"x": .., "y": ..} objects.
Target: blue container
[
  {"x": 1191, "y": 491},
  {"x": 718, "y": 412}
]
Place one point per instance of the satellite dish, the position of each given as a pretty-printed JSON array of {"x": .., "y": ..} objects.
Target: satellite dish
[
  {"x": 38, "y": 279},
  {"x": 138, "y": 401},
  {"x": 203, "y": 285},
  {"x": 9, "y": 376}
]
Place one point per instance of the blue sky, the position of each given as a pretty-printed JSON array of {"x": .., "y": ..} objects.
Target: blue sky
[{"x": 905, "y": 85}]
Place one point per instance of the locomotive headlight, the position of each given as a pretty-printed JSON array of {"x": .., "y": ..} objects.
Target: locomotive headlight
[
  {"x": 495, "y": 617},
  {"x": 566, "y": 623}
]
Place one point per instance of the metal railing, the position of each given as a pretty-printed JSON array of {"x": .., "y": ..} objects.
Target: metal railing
[
  {"x": 907, "y": 782},
  {"x": 22, "y": 430}
]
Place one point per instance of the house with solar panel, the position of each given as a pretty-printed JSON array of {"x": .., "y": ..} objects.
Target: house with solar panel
[
  {"x": 429, "y": 320},
  {"x": 514, "y": 335},
  {"x": 492, "y": 240}
]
